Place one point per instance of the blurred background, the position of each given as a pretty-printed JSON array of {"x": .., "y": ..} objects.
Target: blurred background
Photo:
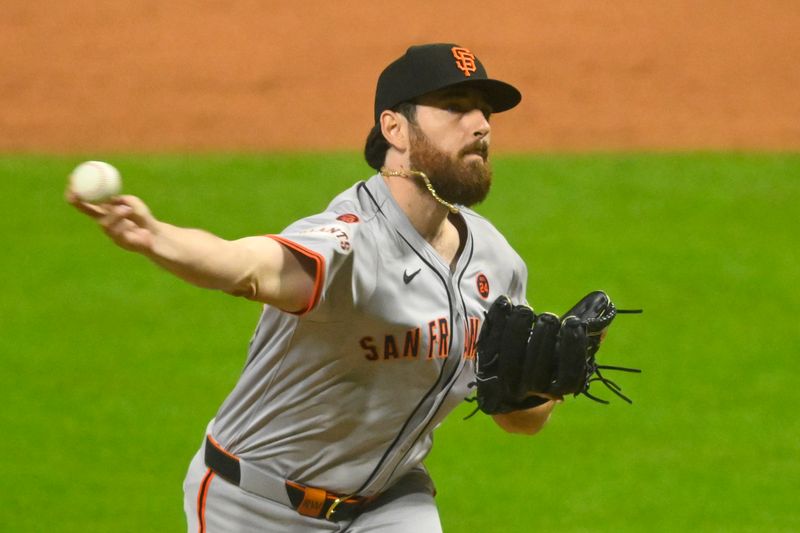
[
  {"x": 656, "y": 155},
  {"x": 265, "y": 75}
]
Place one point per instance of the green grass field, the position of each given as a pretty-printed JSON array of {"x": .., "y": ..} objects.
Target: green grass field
[{"x": 110, "y": 368}]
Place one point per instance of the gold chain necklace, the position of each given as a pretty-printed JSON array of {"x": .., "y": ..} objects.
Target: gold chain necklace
[{"x": 405, "y": 173}]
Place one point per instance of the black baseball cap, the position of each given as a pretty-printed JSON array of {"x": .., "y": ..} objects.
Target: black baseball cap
[{"x": 430, "y": 67}]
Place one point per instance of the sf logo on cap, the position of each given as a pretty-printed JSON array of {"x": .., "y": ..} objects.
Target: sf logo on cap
[{"x": 465, "y": 60}]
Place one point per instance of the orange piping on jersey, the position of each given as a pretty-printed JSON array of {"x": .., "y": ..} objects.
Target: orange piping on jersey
[
  {"x": 220, "y": 448},
  {"x": 319, "y": 275},
  {"x": 201, "y": 499}
]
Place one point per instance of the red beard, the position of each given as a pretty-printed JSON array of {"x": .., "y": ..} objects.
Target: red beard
[{"x": 457, "y": 181}]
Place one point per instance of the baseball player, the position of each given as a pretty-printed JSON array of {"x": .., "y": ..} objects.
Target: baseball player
[{"x": 373, "y": 309}]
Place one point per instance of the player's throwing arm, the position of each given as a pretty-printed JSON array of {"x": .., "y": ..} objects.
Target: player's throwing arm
[{"x": 257, "y": 268}]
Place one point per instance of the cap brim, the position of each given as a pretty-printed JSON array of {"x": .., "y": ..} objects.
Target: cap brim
[{"x": 499, "y": 94}]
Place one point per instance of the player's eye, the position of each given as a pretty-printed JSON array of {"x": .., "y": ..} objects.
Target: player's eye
[
  {"x": 461, "y": 106},
  {"x": 460, "y": 109}
]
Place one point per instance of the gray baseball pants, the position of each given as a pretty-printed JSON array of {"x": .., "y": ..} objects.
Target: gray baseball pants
[{"x": 213, "y": 505}]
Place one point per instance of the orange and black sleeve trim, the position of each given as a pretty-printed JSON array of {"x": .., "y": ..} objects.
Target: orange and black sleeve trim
[{"x": 319, "y": 274}]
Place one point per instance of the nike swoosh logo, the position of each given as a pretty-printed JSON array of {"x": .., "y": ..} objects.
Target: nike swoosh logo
[{"x": 408, "y": 277}]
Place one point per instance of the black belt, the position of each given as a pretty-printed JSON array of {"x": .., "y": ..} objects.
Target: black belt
[{"x": 308, "y": 501}]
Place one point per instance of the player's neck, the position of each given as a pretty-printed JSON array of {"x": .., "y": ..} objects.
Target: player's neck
[{"x": 429, "y": 217}]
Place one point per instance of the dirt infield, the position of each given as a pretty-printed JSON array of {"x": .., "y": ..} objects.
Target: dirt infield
[{"x": 261, "y": 75}]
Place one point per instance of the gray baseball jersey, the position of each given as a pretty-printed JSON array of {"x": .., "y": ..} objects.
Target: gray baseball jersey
[{"x": 345, "y": 395}]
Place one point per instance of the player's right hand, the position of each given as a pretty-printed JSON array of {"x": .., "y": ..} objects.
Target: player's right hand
[{"x": 125, "y": 219}]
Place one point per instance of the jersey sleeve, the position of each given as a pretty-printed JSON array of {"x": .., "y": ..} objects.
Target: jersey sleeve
[{"x": 327, "y": 239}]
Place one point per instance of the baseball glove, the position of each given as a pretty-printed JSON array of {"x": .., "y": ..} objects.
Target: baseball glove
[{"x": 524, "y": 358}]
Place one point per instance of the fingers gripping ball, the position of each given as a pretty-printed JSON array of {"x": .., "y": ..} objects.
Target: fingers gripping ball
[{"x": 95, "y": 181}]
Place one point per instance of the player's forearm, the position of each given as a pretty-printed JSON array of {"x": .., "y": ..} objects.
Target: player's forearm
[
  {"x": 203, "y": 259},
  {"x": 527, "y": 421},
  {"x": 257, "y": 268}
]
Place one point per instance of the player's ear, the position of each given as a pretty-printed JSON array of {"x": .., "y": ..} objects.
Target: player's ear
[{"x": 395, "y": 129}]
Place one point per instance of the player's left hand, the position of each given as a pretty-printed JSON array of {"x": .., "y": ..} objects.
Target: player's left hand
[{"x": 525, "y": 359}]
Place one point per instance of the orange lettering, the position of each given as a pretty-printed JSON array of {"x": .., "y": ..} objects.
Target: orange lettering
[
  {"x": 432, "y": 338},
  {"x": 411, "y": 347},
  {"x": 471, "y": 337},
  {"x": 367, "y": 344},
  {"x": 389, "y": 347},
  {"x": 444, "y": 334},
  {"x": 465, "y": 60}
]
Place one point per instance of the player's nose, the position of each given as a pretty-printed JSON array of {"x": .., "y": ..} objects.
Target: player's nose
[{"x": 479, "y": 123}]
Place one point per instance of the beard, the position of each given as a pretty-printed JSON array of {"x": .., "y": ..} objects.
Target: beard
[{"x": 457, "y": 181}]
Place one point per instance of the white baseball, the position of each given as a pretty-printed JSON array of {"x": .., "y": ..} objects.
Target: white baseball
[{"x": 95, "y": 181}]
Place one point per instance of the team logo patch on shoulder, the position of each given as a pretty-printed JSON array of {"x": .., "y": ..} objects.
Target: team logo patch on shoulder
[
  {"x": 483, "y": 285},
  {"x": 335, "y": 231},
  {"x": 350, "y": 218}
]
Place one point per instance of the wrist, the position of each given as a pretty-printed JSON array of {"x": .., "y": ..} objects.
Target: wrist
[{"x": 160, "y": 246}]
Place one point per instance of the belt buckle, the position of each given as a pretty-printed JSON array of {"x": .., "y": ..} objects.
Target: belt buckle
[{"x": 334, "y": 505}]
